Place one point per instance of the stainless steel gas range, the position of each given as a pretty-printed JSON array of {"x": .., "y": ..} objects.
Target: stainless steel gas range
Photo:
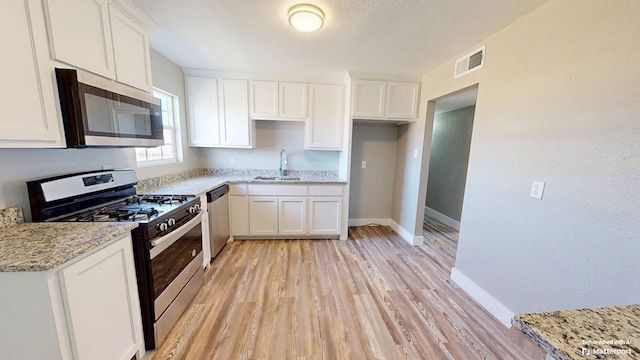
[{"x": 167, "y": 244}]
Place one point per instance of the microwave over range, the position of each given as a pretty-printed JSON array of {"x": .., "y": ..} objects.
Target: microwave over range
[{"x": 100, "y": 113}]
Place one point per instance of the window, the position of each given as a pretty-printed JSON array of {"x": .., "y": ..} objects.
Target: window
[{"x": 171, "y": 151}]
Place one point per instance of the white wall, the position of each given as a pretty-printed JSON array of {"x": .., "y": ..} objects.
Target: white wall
[
  {"x": 371, "y": 188},
  {"x": 558, "y": 102},
  {"x": 20, "y": 165},
  {"x": 271, "y": 137},
  {"x": 169, "y": 77}
]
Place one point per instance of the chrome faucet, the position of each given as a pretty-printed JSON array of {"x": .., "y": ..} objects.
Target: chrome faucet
[{"x": 285, "y": 162}]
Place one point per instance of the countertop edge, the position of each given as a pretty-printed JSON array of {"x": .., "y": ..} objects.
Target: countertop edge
[{"x": 537, "y": 338}]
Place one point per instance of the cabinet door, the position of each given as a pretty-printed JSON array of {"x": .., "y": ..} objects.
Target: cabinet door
[
  {"x": 264, "y": 99},
  {"x": 130, "y": 51},
  {"x": 27, "y": 92},
  {"x": 233, "y": 97},
  {"x": 80, "y": 34},
  {"x": 293, "y": 100},
  {"x": 292, "y": 215},
  {"x": 402, "y": 100},
  {"x": 101, "y": 304},
  {"x": 369, "y": 99},
  {"x": 263, "y": 215},
  {"x": 325, "y": 125},
  {"x": 325, "y": 213},
  {"x": 204, "y": 123},
  {"x": 239, "y": 215}
]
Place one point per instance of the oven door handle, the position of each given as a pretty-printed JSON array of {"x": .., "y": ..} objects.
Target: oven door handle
[{"x": 164, "y": 242}]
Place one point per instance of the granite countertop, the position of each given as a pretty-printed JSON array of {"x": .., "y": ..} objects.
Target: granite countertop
[
  {"x": 203, "y": 184},
  {"x": 43, "y": 246},
  {"x": 601, "y": 333}
]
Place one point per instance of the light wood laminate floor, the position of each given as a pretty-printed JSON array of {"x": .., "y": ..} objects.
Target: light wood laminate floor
[{"x": 370, "y": 297}]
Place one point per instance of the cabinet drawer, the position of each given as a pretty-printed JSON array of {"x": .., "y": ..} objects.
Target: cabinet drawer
[
  {"x": 325, "y": 190},
  {"x": 237, "y": 189},
  {"x": 277, "y": 190}
]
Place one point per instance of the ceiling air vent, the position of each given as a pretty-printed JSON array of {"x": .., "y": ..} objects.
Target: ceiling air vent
[{"x": 470, "y": 62}]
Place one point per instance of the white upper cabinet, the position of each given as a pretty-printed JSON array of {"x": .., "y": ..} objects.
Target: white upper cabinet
[
  {"x": 368, "y": 98},
  {"x": 402, "y": 100},
  {"x": 27, "y": 96},
  {"x": 204, "y": 120},
  {"x": 264, "y": 99},
  {"x": 218, "y": 113},
  {"x": 293, "y": 100},
  {"x": 325, "y": 125},
  {"x": 233, "y": 97},
  {"x": 385, "y": 100},
  {"x": 131, "y": 51},
  {"x": 98, "y": 37},
  {"x": 80, "y": 34},
  {"x": 272, "y": 100}
]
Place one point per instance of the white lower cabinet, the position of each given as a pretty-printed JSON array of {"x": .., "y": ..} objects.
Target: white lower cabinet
[
  {"x": 325, "y": 214},
  {"x": 239, "y": 215},
  {"x": 292, "y": 215},
  {"x": 263, "y": 215},
  {"x": 88, "y": 309},
  {"x": 285, "y": 211}
]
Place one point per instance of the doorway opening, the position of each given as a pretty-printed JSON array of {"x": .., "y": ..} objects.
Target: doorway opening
[{"x": 449, "y": 158}]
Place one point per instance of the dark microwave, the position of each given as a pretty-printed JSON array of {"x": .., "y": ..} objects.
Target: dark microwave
[{"x": 95, "y": 115}]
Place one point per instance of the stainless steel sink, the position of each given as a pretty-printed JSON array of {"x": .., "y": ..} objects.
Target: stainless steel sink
[{"x": 276, "y": 178}]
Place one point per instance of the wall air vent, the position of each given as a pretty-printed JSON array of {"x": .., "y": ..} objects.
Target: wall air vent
[{"x": 470, "y": 62}]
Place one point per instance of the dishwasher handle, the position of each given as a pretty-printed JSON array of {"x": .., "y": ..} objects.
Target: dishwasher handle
[{"x": 217, "y": 193}]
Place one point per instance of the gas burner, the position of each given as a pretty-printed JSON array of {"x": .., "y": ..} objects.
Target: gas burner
[{"x": 164, "y": 199}]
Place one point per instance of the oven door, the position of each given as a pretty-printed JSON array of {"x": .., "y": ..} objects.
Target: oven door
[{"x": 175, "y": 259}]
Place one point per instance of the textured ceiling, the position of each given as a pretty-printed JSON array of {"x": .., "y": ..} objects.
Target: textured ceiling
[{"x": 384, "y": 36}]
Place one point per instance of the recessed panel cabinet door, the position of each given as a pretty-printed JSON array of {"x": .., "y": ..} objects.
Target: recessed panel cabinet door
[
  {"x": 402, "y": 100},
  {"x": 101, "y": 304},
  {"x": 234, "y": 113},
  {"x": 325, "y": 213},
  {"x": 264, "y": 99},
  {"x": 131, "y": 51},
  {"x": 369, "y": 98},
  {"x": 293, "y": 100},
  {"x": 325, "y": 125},
  {"x": 29, "y": 117},
  {"x": 202, "y": 100},
  {"x": 292, "y": 215},
  {"x": 263, "y": 215},
  {"x": 80, "y": 34}
]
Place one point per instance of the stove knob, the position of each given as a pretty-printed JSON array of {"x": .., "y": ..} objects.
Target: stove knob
[
  {"x": 171, "y": 222},
  {"x": 197, "y": 207},
  {"x": 162, "y": 226},
  {"x": 194, "y": 209}
]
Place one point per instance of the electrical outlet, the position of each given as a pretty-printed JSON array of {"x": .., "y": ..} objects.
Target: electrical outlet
[
  {"x": 363, "y": 164},
  {"x": 537, "y": 189},
  {"x": 233, "y": 161}
]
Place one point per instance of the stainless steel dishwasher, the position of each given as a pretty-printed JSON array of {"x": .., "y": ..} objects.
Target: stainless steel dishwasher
[{"x": 218, "y": 207}]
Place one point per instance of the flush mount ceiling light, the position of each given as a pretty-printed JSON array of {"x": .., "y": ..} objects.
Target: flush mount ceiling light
[{"x": 306, "y": 17}]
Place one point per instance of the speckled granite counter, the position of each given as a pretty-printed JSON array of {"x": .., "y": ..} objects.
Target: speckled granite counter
[
  {"x": 43, "y": 246},
  {"x": 11, "y": 216},
  {"x": 201, "y": 184},
  {"x": 603, "y": 333}
]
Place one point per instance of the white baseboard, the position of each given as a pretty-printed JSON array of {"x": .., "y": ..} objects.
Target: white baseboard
[
  {"x": 482, "y": 297},
  {"x": 441, "y": 218},
  {"x": 370, "y": 221},
  {"x": 408, "y": 236}
]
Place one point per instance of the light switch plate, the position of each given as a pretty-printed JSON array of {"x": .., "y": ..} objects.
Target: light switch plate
[
  {"x": 537, "y": 189},
  {"x": 363, "y": 164}
]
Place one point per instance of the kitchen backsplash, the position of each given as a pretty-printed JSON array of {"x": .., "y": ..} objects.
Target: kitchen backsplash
[{"x": 11, "y": 216}]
